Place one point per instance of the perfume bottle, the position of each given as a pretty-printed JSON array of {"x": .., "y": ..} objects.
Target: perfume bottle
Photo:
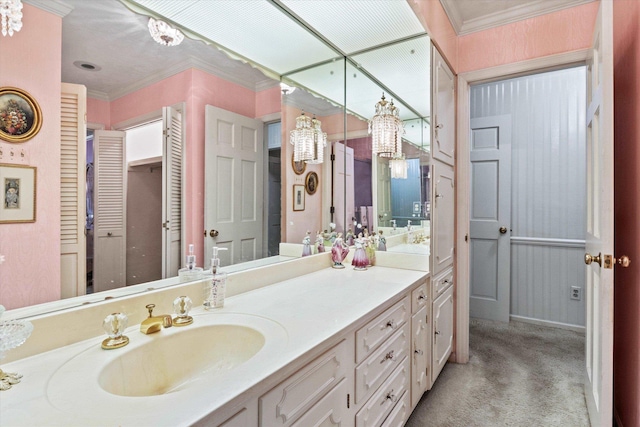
[{"x": 216, "y": 283}]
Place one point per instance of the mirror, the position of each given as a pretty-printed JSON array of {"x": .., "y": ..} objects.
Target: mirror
[{"x": 361, "y": 75}]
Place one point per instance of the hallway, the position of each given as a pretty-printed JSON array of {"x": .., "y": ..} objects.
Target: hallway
[{"x": 518, "y": 374}]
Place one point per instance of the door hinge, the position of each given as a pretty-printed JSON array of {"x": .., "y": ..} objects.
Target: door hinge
[
  {"x": 332, "y": 209},
  {"x": 333, "y": 157},
  {"x": 348, "y": 401},
  {"x": 466, "y": 237},
  {"x": 165, "y": 225}
]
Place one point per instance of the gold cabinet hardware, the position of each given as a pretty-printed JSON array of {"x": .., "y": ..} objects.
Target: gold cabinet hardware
[{"x": 588, "y": 259}]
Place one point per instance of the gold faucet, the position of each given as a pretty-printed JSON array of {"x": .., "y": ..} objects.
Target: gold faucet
[{"x": 154, "y": 323}]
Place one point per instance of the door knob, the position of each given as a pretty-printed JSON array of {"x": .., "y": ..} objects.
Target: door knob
[
  {"x": 588, "y": 259},
  {"x": 623, "y": 261},
  {"x": 213, "y": 233},
  {"x": 503, "y": 230}
]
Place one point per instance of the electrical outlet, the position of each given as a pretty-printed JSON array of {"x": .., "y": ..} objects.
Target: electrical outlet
[{"x": 576, "y": 293}]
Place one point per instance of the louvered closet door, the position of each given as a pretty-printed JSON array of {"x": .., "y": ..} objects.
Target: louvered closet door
[
  {"x": 73, "y": 130},
  {"x": 110, "y": 251},
  {"x": 172, "y": 189}
]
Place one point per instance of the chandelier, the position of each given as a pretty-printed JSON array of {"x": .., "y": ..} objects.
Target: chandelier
[
  {"x": 163, "y": 33},
  {"x": 386, "y": 129},
  {"x": 308, "y": 140},
  {"x": 11, "y": 15},
  {"x": 398, "y": 166}
]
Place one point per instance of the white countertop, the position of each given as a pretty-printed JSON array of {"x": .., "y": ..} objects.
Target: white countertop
[{"x": 311, "y": 309}]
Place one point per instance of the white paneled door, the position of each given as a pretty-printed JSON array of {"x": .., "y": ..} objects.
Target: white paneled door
[
  {"x": 234, "y": 153},
  {"x": 490, "y": 218},
  {"x": 110, "y": 208},
  {"x": 172, "y": 190},
  {"x": 343, "y": 186},
  {"x": 599, "y": 230}
]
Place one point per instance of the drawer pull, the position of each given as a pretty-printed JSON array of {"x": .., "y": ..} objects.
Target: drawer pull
[
  {"x": 437, "y": 332},
  {"x": 422, "y": 296},
  {"x": 418, "y": 351},
  {"x": 388, "y": 356},
  {"x": 390, "y": 324},
  {"x": 390, "y": 396}
]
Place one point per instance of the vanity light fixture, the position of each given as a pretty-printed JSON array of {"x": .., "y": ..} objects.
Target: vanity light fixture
[
  {"x": 11, "y": 15},
  {"x": 386, "y": 129},
  {"x": 163, "y": 33},
  {"x": 308, "y": 140},
  {"x": 398, "y": 166}
]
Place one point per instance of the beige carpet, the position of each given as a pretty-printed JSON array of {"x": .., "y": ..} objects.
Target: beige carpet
[{"x": 518, "y": 375}]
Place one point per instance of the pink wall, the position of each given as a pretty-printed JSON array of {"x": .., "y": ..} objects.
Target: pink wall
[
  {"x": 563, "y": 31},
  {"x": 626, "y": 54},
  {"x": 99, "y": 112},
  {"x": 268, "y": 101},
  {"x": 31, "y": 61}
]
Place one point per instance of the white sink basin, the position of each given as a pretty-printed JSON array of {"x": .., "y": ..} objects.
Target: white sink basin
[
  {"x": 170, "y": 362},
  {"x": 196, "y": 366}
]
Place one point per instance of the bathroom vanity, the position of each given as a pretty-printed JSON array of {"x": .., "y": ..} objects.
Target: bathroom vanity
[{"x": 330, "y": 346}]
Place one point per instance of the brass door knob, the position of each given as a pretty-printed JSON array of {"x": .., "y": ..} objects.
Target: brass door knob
[
  {"x": 588, "y": 259},
  {"x": 623, "y": 261},
  {"x": 503, "y": 230},
  {"x": 213, "y": 233}
]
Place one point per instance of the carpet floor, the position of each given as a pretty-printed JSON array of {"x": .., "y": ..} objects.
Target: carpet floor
[{"x": 518, "y": 374}]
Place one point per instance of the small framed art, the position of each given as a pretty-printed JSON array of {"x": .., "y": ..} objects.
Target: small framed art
[
  {"x": 18, "y": 193},
  {"x": 20, "y": 115},
  {"x": 311, "y": 182},
  {"x": 298, "y": 197}
]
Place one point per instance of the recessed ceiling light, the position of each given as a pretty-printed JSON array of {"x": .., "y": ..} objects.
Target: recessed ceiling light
[{"x": 87, "y": 66}]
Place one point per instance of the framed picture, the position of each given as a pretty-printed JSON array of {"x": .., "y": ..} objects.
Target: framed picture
[
  {"x": 20, "y": 115},
  {"x": 298, "y": 197},
  {"x": 311, "y": 182},
  {"x": 298, "y": 167},
  {"x": 18, "y": 193}
]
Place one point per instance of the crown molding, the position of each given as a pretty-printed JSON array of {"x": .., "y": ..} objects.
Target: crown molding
[
  {"x": 508, "y": 16},
  {"x": 56, "y": 7},
  {"x": 96, "y": 94}
]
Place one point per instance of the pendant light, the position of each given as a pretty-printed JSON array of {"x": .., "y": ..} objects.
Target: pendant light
[{"x": 386, "y": 129}]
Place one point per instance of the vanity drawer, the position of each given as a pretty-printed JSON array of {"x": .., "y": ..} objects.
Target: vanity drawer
[
  {"x": 419, "y": 298},
  {"x": 293, "y": 397},
  {"x": 442, "y": 282},
  {"x": 374, "y": 412},
  {"x": 382, "y": 327},
  {"x": 377, "y": 367},
  {"x": 400, "y": 413}
]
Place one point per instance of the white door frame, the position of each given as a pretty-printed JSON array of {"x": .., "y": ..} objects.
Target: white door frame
[{"x": 501, "y": 72}]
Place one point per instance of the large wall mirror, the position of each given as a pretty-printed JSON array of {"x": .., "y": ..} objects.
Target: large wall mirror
[{"x": 337, "y": 79}]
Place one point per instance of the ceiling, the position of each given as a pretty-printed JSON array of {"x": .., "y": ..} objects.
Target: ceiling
[{"x": 468, "y": 16}]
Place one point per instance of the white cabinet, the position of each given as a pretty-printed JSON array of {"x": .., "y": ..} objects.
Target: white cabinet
[
  {"x": 443, "y": 96},
  {"x": 420, "y": 354},
  {"x": 297, "y": 395},
  {"x": 442, "y": 343},
  {"x": 443, "y": 217},
  {"x": 329, "y": 411}
]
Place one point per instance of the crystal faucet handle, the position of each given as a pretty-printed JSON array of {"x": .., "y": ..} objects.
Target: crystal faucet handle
[
  {"x": 181, "y": 307},
  {"x": 114, "y": 325}
]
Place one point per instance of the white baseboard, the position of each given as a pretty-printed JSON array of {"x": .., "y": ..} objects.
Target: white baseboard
[{"x": 549, "y": 323}]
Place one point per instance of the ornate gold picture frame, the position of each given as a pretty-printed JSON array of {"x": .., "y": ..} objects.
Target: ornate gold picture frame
[
  {"x": 298, "y": 167},
  {"x": 20, "y": 115}
]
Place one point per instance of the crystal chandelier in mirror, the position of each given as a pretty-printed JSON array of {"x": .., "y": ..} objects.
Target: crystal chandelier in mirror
[
  {"x": 11, "y": 15},
  {"x": 386, "y": 129},
  {"x": 308, "y": 140},
  {"x": 163, "y": 33},
  {"x": 398, "y": 166}
]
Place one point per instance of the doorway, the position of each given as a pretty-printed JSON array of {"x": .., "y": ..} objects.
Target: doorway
[{"x": 528, "y": 198}]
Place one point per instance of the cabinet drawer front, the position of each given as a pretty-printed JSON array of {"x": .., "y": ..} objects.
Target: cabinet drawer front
[
  {"x": 329, "y": 411},
  {"x": 291, "y": 398},
  {"x": 382, "y": 327},
  {"x": 377, "y": 367},
  {"x": 419, "y": 298},
  {"x": 442, "y": 282},
  {"x": 400, "y": 413},
  {"x": 374, "y": 412}
]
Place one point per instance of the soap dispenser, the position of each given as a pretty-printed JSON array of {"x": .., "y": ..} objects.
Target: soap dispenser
[
  {"x": 190, "y": 272},
  {"x": 216, "y": 283}
]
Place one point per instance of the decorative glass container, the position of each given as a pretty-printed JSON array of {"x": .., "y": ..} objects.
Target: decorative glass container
[{"x": 13, "y": 333}]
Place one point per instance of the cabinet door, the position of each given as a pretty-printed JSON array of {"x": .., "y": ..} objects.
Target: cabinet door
[
  {"x": 443, "y": 95},
  {"x": 442, "y": 331},
  {"x": 420, "y": 354},
  {"x": 329, "y": 411},
  {"x": 443, "y": 217}
]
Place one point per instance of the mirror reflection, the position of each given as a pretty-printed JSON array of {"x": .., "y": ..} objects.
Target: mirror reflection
[{"x": 131, "y": 79}]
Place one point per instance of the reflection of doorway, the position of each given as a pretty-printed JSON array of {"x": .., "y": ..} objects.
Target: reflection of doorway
[{"x": 274, "y": 198}]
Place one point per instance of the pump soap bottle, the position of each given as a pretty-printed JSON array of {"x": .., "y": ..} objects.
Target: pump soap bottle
[
  {"x": 216, "y": 283},
  {"x": 190, "y": 272}
]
